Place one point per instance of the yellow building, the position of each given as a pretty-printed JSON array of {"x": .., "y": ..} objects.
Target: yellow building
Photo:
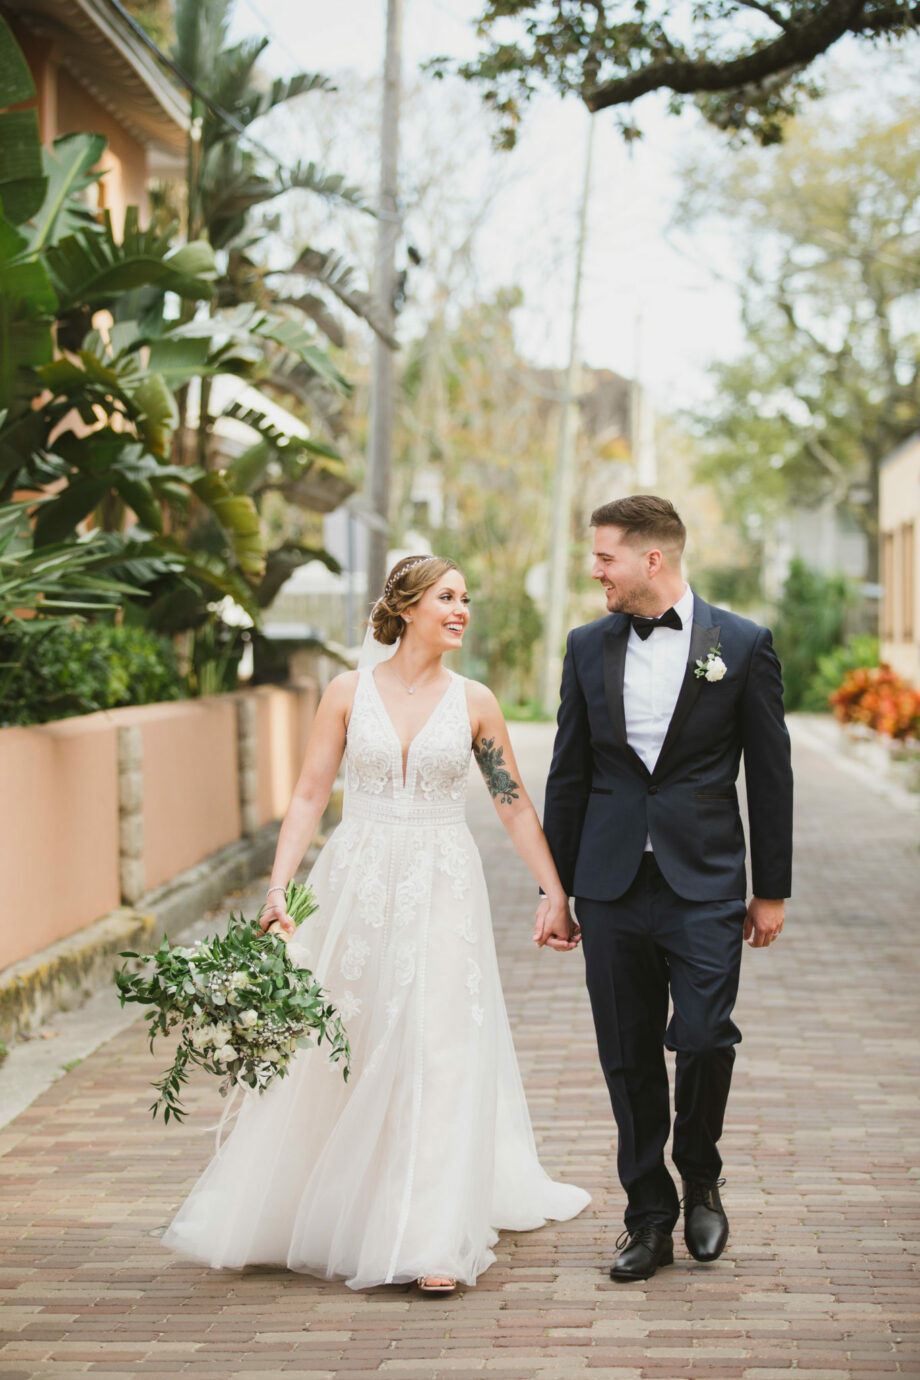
[
  {"x": 94, "y": 74},
  {"x": 899, "y": 520}
]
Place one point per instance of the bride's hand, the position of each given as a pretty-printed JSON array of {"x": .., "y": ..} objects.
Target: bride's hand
[
  {"x": 274, "y": 917},
  {"x": 554, "y": 925}
]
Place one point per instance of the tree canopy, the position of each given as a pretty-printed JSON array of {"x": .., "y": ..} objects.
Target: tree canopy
[
  {"x": 828, "y": 382},
  {"x": 746, "y": 63}
]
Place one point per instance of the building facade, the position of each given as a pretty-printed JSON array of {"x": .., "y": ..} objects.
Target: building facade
[
  {"x": 94, "y": 74},
  {"x": 899, "y": 521}
]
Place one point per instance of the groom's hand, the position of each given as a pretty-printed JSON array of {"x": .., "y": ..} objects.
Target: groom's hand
[
  {"x": 764, "y": 922},
  {"x": 555, "y": 926}
]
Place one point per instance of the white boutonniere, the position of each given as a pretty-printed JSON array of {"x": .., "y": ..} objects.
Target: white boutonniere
[{"x": 711, "y": 667}]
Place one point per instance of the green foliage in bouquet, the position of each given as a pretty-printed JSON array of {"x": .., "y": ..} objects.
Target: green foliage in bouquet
[{"x": 240, "y": 1004}]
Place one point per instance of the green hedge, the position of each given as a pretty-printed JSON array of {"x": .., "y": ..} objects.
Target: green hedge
[
  {"x": 68, "y": 669},
  {"x": 833, "y": 668},
  {"x": 809, "y": 624}
]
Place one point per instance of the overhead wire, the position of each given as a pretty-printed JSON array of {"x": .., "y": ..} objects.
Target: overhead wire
[{"x": 189, "y": 82}]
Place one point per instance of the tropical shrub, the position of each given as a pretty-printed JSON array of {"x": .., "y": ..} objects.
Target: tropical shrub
[
  {"x": 877, "y": 697},
  {"x": 67, "y": 668},
  {"x": 833, "y": 669}
]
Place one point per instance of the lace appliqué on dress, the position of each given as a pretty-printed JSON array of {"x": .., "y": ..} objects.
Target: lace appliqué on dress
[
  {"x": 350, "y": 1006},
  {"x": 356, "y": 954},
  {"x": 404, "y": 965},
  {"x": 454, "y": 860},
  {"x": 442, "y": 761}
]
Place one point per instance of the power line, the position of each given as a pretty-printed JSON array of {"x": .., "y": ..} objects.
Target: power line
[
  {"x": 268, "y": 28},
  {"x": 216, "y": 110}
]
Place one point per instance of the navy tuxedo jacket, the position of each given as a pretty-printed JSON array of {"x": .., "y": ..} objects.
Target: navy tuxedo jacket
[{"x": 602, "y": 801}]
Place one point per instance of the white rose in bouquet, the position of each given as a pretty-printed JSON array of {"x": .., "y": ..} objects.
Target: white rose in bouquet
[{"x": 247, "y": 1019}]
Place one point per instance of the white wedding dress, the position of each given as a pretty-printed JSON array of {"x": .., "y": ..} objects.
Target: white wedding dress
[{"x": 413, "y": 1165}]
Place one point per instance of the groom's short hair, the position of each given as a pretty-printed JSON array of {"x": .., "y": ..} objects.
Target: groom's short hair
[{"x": 643, "y": 518}]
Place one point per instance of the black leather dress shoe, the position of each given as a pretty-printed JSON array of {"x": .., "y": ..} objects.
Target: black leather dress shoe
[
  {"x": 705, "y": 1223},
  {"x": 643, "y": 1251}
]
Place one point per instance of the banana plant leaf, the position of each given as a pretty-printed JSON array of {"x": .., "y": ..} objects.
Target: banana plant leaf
[
  {"x": 22, "y": 176},
  {"x": 237, "y": 515},
  {"x": 282, "y": 561},
  {"x": 240, "y": 331},
  {"x": 91, "y": 267},
  {"x": 51, "y": 580},
  {"x": 27, "y": 300},
  {"x": 295, "y": 455},
  {"x": 69, "y": 172}
]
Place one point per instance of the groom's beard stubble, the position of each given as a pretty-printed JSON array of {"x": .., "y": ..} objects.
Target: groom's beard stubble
[{"x": 632, "y": 599}]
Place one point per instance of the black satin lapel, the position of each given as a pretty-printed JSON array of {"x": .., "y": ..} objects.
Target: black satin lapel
[
  {"x": 702, "y": 640},
  {"x": 615, "y": 640}
]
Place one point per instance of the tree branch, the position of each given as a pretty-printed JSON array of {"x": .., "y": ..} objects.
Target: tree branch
[
  {"x": 768, "y": 10},
  {"x": 796, "y": 47},
  {"x": 890, "y": 18}
]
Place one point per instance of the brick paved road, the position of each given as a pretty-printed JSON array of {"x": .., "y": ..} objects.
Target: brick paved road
[{"x": 819, "y": 1280}]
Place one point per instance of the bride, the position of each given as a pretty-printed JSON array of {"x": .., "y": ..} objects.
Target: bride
[{"x": 408, "y": 1171}]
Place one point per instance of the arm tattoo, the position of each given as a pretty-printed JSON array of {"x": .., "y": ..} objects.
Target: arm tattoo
[{"x": 494, "y": 773}]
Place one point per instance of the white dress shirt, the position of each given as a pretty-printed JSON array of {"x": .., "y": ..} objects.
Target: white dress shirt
[{"x": 653, "y": 676}]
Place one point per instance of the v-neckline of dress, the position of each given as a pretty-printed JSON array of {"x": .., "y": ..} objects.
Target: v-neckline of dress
[{"x": 404, "y": 761}]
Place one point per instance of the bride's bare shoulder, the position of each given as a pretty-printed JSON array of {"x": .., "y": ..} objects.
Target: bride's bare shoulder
[
  {"x": 481, "y": 700},
  {"x": 340, "y": 692}
]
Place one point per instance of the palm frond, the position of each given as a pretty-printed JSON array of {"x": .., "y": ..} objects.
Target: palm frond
[
  {"x": 330, "y": 186},
  {"x": 336, "y": 274},
  {"x": 283, "y": 89}
]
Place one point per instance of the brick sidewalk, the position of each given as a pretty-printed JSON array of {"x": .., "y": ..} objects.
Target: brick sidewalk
[{"x": 819, "y": 1280}]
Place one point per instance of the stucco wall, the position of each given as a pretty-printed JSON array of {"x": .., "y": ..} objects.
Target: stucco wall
[
  {"x": 58, "y": 831},
  {"x": 59, "y": 822},
  {"x": 191, "y": 797},
  {"x": 125, "y": 159}
]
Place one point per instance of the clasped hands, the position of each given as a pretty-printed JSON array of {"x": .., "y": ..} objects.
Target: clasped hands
[{"x": 555, "y": 926}]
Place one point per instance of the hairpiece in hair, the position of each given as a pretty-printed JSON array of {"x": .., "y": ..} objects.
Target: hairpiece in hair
[{"x": 405, "y": 570}]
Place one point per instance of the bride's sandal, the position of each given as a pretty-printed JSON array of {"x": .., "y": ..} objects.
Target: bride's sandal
[{"x": 436, "y": 1284}]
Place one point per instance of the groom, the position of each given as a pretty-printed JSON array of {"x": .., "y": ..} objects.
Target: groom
[{"x": 659, "y": 702}]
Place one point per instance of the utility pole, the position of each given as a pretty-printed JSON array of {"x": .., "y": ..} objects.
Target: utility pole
[
  {"x": 380, "y": 439},
  {"x": 561, "y": 517}
]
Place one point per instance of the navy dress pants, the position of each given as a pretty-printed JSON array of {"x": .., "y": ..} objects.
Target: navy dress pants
[{"x": 639, "y": 950}]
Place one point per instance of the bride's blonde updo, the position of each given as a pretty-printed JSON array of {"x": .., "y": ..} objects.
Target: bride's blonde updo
[{"x": 406, "y": 583}]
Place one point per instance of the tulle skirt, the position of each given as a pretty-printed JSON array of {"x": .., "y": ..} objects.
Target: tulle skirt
[{"x": 414, "y": 1164}]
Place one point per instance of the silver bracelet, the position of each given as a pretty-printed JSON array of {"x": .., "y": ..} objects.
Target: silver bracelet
[{"x": 276, "y": 888}]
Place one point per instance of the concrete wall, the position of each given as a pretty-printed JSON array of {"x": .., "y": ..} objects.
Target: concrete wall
[
  {"x": 64, "y": 802},
  {"x": 899, "y": 521}
]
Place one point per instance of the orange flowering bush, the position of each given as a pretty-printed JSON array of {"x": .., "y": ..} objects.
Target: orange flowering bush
[{"x": 880, "y": 699}]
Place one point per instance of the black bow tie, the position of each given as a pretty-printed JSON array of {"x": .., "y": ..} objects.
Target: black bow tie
[{"x": 646, "y": 626}]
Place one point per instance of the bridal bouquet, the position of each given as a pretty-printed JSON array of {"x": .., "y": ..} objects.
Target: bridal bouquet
[{"x": 241, "y": 1006}]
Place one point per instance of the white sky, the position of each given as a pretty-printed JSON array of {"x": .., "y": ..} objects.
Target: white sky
[{"x": 632, "y": 268}]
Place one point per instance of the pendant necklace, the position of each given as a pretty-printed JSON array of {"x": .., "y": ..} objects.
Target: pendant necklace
[{"x": 410, "y": 688}]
